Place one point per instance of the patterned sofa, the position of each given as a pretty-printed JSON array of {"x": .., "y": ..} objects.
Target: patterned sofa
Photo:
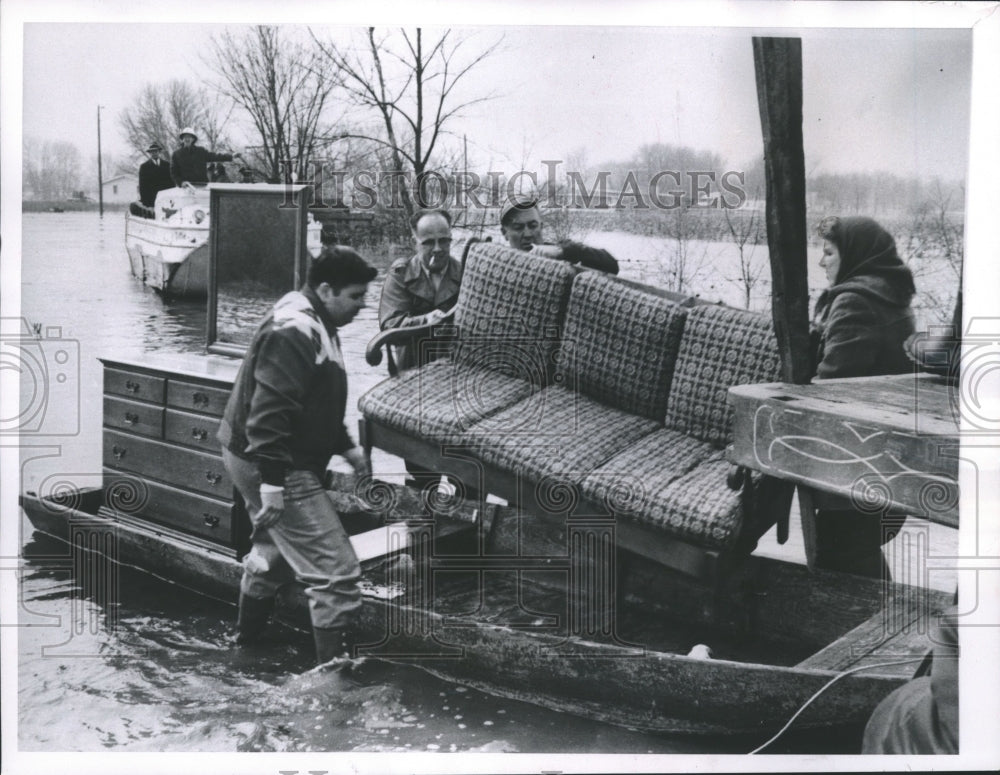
[{"x": 574, "y": 392}]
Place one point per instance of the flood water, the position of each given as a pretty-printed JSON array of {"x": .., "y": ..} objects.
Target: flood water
[{"x": 153, "y": 671}]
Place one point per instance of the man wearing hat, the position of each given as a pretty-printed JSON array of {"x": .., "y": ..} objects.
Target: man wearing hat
[
  {"x": 521, "y": 225},
  {"x": 189, "y": 164},
  {"x": 154, "y": 176}
]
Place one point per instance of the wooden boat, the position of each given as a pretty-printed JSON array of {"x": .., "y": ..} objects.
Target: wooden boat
[
  {"x": 504, "y": 623},
  {"x": 169, "y": 252},
  {"x": 482, "y": 594}
]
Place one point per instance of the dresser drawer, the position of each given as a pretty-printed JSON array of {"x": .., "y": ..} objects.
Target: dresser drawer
[
  {"x": 196, "y": 398},
  {"x": 185, "y": 468},
  {"x": 209, "y": 518},
  {"x": 144, "y": 387},
  {"x": 194, "y": 430},
  {"x": 134, "y": 417}
]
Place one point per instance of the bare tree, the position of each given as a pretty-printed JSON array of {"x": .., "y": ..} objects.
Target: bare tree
[
  {"x": 685, "y": 260},
  {"x": 284, "y": 90},
  {"x": 745, "y": 229},
  {"x": 160, "y": 111},
  {"x": 51, "y": 170},
  {"x": 409, "y": 83},
  {"x": 934, "y": 247}
]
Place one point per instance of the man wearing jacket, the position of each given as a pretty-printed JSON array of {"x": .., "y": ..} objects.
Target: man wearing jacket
[
  {"x": 154, "y": 176},
  {"x": 521, "y": 226},
  {"x": 189, "y": 164},
  {"x": 282, "y": 424},
  {"x": 420, "y": 289}
]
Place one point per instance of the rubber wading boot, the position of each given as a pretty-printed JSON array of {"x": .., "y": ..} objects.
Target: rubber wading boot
[
  {"x": 253, "y": 617},
  {"x": 331, "y": 644}
]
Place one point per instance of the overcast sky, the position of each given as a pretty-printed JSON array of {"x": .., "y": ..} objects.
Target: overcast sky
[{"x": 886, "y": 99}]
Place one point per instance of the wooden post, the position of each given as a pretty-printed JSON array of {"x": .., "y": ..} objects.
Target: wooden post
[
  {"x": 778, "y": 67},
  {"x": 100, "y": 172}
]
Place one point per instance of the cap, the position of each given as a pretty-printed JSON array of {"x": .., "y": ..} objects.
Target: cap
[
  {"x": 154, "y": 147},
  {"x": 188, "y": 131},
  {"x": 517, "y": 202}
]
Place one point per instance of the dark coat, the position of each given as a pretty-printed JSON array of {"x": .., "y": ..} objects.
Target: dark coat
[
  {"x": 861, "y": 325},
  {"x": 863, "y": 319},
  {"x": 191, "y": 164},
  {"x": 287, "y": 407},
  {"x": 586, "y": 256},
  {"x": 408, "y": 293},
  {"x": 154, "y": 177}
]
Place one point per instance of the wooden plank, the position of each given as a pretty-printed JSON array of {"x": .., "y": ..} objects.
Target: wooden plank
[
  {"x": 922, "y": 404},
  {"x": 895, "y": 633},
  {"x": 843, "y": 449},
  {"x": 778, "y": 69}
]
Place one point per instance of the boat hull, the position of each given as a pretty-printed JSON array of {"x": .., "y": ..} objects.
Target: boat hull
[
  {"x": 467, "y": 634},
  {"x": 170, "y": 254},
  {"x": 158, "y": 252}
]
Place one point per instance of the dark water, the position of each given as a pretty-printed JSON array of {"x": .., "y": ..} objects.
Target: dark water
[{"x": 153, "y": 671}]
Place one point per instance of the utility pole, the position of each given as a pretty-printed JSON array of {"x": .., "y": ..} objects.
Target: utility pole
[{"x": 100, "y": 172}]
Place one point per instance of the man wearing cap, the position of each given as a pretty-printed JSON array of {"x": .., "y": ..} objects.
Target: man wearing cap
[
  {"x": 521, "y": 225},
  {"x": 420, "y": 289},
  {"x": 154, "y": 177},
  {"x": 189, "y": 164}
]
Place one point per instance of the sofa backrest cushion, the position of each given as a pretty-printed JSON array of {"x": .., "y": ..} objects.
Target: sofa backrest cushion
[
  {"x": 511, "y": 311},
  {"x": 721, "y": 347},
  {"x": 620, "y": 343}
]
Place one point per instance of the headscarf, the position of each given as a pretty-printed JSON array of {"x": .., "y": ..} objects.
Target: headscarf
[{"x": 868, "y": 249}]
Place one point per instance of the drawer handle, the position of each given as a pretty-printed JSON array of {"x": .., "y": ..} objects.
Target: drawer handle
[
  {"x": 212, "y": 477},
  {"x": 131, "y": 418},
  {"x": 199, "y": 399},
  {"x": 199, "y": 433},
  {"x": 118, "y": 452},
  {"x": 210, "y": 519},
  {"x": 132, "y": 387}
]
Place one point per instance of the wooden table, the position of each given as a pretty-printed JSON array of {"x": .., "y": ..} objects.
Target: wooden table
[{"x": 883, "y": 441}]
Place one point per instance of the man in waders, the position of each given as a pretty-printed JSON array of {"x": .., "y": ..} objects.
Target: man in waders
[{"x": 282, "y": 424}]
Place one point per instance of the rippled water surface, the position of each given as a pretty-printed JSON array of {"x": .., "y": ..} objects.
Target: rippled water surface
[{"x": 154, "y": 671}]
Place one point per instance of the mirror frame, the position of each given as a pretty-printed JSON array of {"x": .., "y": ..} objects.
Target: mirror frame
[{"x": 287, "y": 197}]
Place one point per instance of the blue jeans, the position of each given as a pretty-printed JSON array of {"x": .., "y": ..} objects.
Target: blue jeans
[{"x": 308, "y": 543}]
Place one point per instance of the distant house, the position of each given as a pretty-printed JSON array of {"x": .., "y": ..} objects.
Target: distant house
[{"x": 121, "y": 189}]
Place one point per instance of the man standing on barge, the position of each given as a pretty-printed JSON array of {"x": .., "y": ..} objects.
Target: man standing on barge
[
  {"x": 154, "y": 177},
  {"x": 189, "y": 164},
  {"x": 282, "y": 424}
]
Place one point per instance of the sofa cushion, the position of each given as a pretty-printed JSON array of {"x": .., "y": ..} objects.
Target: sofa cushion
[
  {"x": 511, "y": 311},
  {"x": 555, "y": 434},
  {"x": 721, "y": 347},
  {"x": 629, "y": 478},
  {"x": 695, "y": 505},
  {"x": 620, "y": 343},
  {"x": 441, "y": 400}
]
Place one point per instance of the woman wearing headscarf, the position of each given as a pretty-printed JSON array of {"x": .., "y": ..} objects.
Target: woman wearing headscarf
[{"x": 859, "y": 327}]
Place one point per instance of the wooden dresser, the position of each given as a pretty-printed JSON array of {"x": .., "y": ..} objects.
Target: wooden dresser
[{"x": 162, "y": 462}]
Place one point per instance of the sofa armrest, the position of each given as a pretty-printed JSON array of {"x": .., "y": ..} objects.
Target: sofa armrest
[{"x": 373, "y": 352}]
